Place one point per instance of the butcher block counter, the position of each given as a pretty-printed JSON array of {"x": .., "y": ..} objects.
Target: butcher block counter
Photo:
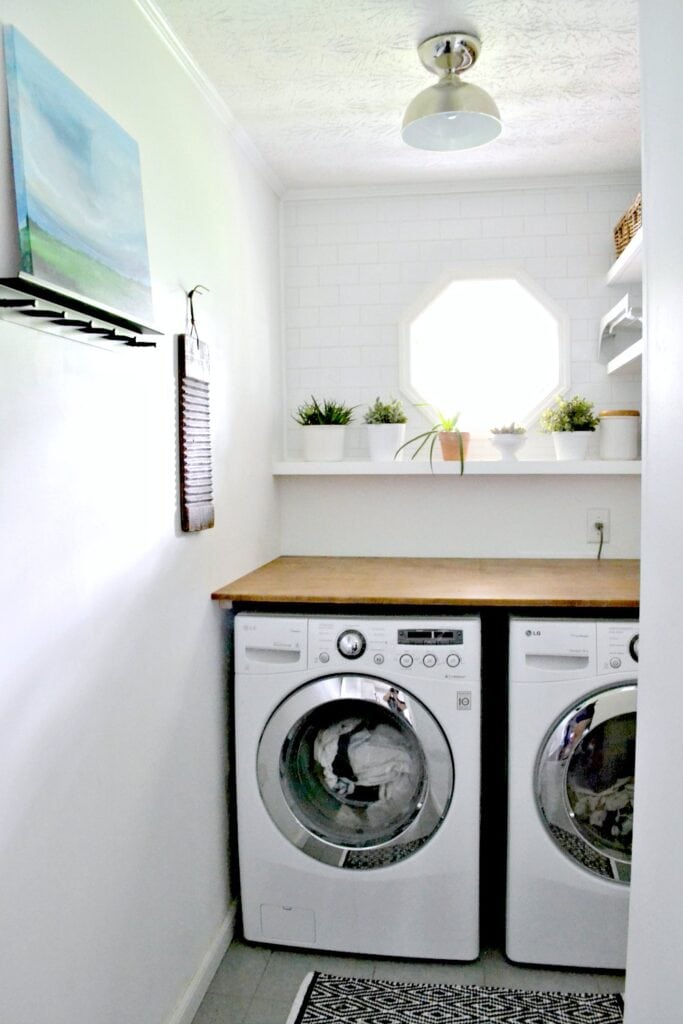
[{"x": 492, "y": 582}]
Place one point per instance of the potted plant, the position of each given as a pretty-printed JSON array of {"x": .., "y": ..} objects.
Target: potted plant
[
  {"x": 454, "y": 442},
  {"x": 386, "y": 422},
  {"x": 508, "y": 440},
  {"x": 325, "y": 424},
  {"x": 571, "y": 422}
]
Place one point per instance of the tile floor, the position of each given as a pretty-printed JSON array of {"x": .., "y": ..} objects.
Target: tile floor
[{"x": 257, "y": 985}]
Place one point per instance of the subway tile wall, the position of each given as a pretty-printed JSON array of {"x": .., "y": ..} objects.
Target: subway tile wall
[{"x": 352, "y": 266}]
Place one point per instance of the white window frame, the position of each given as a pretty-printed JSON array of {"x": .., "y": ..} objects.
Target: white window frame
[{"x": 486, "y": 271}]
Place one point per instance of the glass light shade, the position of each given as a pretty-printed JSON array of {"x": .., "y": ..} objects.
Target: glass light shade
[{"x": 451, "y": 115}]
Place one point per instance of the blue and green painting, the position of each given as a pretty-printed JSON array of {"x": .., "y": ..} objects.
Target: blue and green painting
[{"x": 78, "y": 187}]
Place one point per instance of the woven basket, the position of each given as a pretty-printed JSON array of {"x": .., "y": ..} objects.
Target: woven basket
[{"x": 628, "y": 225}]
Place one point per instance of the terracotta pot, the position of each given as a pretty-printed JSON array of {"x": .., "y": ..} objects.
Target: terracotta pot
[{"x": 450, "y": 445}]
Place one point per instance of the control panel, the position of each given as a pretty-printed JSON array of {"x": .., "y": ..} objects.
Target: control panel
[
  {"x": 270, "y": 643},
  {"x": 546, "y": 649},
  {"x": 617, "y": 646},
  {"x": 444, "y": 648}
]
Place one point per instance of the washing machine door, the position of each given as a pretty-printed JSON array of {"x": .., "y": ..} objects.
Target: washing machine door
[
  {"x": 585, "y": 777},
  {"x": 355, "y": 772}
]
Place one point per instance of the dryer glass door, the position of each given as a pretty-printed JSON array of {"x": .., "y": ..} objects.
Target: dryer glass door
[
  {"x": 585, "y": 780},
  {"x": 355, "y": 772}
]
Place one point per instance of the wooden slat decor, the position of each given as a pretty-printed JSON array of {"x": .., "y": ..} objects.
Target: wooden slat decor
[{"x": 196, "y": 481}]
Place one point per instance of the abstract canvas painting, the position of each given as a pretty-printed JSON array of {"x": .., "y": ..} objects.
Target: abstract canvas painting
[{"x": 78, "y": 187}]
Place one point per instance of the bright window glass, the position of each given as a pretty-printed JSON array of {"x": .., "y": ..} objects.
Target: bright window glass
[{"x": 488, "y": 348}]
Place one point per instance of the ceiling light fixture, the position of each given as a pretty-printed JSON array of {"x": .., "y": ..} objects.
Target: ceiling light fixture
[{"x": 451, "y": 114}]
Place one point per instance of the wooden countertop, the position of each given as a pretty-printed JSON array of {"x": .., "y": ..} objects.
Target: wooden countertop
[{"x": 532, "y": 582}]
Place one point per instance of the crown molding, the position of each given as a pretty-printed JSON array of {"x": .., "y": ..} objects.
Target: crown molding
[
  {"x": 217, "y": 104},
  {"x": 461, "y": 187}
]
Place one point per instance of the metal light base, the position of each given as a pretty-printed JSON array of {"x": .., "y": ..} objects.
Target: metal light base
[{"x": 449, "y": 53}]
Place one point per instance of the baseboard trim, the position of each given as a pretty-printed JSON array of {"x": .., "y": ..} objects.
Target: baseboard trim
[{"x": 189, "y": 1002}]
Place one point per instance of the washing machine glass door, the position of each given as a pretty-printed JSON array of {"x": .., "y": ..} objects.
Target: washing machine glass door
[
  {"x": 354, "y": 771},
  {"x": 585, "y": 778}
]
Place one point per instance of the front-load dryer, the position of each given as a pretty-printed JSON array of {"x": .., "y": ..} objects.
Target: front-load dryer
[
  {"x": 572, "y": 733},
  {"x": 357, "y": 745}
]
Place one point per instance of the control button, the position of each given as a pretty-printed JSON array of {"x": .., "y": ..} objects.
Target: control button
[
  {"x": 429, "y": 661},
  {"x": 615, "y": 662},
  {"x": 453, "y": 660},
  {"x": 378, "y": 659},
  {"x": 351, "y": 643},
  {"x": 324, "y": 657},
  {"x": 406, "y": 660}
]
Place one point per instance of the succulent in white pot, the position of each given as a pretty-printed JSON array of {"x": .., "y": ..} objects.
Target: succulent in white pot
[
  {"x": 386, "y": 423},
  {"x": 507, "y": 440},
  {"x": 571, "y": 421},
  {"x": 325, "y": 424}
]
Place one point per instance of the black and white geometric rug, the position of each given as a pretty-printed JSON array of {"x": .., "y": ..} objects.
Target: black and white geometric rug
[{"x": 328, "y": 999}]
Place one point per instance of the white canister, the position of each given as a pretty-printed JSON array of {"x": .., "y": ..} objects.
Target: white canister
[{"x": 619, "y": 434}]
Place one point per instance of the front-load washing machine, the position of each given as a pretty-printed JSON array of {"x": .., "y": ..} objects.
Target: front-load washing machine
[
  {"x": 572, "y": 733},
  {"x": 357, "y": 744}
]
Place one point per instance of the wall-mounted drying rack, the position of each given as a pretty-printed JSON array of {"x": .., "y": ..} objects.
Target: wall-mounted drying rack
[
  {"x": 620, "y": 336},
  {"x": 32, "y": 303},
  {"x": 624, "y": 315},
  {"x": 620, "y": 340}
]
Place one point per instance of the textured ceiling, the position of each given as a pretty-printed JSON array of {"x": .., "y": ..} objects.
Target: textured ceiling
[{"x": 320, "y": 88}]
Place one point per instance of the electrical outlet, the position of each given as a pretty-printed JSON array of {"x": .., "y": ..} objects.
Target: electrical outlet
[{"x": 593, "y": 516}]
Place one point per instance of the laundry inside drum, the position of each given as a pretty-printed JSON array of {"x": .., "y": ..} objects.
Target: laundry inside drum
[
  {"x": 600, "y": 785},
  {"x": 353, "y": 773}
]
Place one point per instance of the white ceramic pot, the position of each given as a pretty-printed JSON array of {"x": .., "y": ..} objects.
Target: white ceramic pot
[
  {"x": 324, "y": 442},
  {"x": 571, "y": 445},
  {"x": 384, "y": 439},
  {"x": 507, "y": 445}
]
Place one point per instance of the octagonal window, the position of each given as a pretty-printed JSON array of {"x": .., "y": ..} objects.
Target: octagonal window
[{"x": 492, "y": 347}]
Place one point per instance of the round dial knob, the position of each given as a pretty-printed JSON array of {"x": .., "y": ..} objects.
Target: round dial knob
[
  {"x": 429, "y": 661},
  {"x": 633, "y": 647},
  {"x": 453, "y": 660},
  {"x": 615, "y": 662},
  {"x": 406, "y": 660},
  {"x": 351, "y": 643}
]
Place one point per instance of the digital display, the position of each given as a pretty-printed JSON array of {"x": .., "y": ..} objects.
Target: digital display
[{"x": 433, "y": 637}]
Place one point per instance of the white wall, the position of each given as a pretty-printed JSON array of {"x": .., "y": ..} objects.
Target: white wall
[
  {"x": 353, "y": 264},
  {"x": 452, "y": 516},
  {"x": 653, "y": 990},
  {"x": 113, "y": 845}
]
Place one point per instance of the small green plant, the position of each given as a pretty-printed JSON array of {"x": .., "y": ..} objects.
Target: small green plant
[
  {"x": 511, "y": 428},
  {"x": 448, "y": 424},
  {"x": 386, "y": 412},
  {"x": 329, "y": 412},
  {"x": 569, "y": 414}
]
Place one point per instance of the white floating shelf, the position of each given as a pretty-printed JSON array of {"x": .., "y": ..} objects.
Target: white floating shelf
[
  {"x": 630, "y": 361},
  {"x": 628, "y": 267},
  {"x": 482, "y": 468}
]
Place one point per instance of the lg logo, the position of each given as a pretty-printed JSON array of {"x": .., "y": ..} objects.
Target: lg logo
[{"x": 533, "y": 632}]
